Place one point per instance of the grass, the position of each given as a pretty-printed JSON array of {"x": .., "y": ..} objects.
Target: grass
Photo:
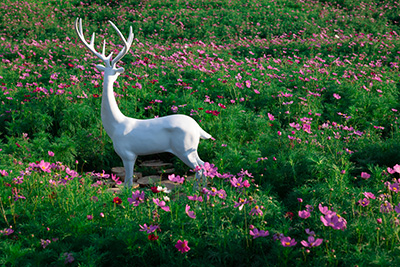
[{"x": 301, "y": 97}]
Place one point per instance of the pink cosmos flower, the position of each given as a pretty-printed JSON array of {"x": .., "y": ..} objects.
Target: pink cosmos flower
[
  {"x": 241, "y": 203},
  {"x": 323, "y": 210},
  {"x": 312, "y": 242},
  {"x": 44, "y": 166},
  {"x": 182, "y": 246},
  {"x": 397, "y": 208},
  {"x": 256, "y": 91},
  {"x": 363, "y": 202},
  {"x": 333, "y": 220},
  {"x": 237, "y": 182},
  {"x": 51, "y": 153},
  {"x": 309, "y": 232},
  {"x": 256, "y": 211},
  {"x": 240, "y": 85},
  {"x": 304, "y": 214},
  {"x": 148, "y": 229},
  {"x": 137, "y": 198},
  {"x": 190, "y": 213},
  {"x": 161, "y": 204},
  {"x": 288, "y": 242},
  {"x": 69, "y": 258},
  {"x": 396, "y": 168},
  {"x": 195, "y": 198},
  {"x": 45, "y": 243},
  {"x": 271, "y": 117},
  {"x": 395, "y": 187},
  {"x": 369, "y": 195},
  {"x": 176, "y": 179},
  {"x": 337, "y": 96},
  {"x": 255, "y": 233},
  {"x": 365, "y": 175},
  {"x": 248, "y": 84},
  {"x": 386, "y": 207},
  {"x": 208, "y": 169},
  {"x": 116, "y": 179},
  {"x": 221, "y": 194},
  {"x": 7, "y": 231}
]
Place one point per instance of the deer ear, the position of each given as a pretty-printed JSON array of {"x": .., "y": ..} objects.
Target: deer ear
[
  {"x": 100, "y": 67},
  {"x": 120, "y": 70}
]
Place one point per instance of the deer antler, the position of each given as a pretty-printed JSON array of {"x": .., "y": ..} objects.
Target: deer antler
[{"x": 106, "y": 59}]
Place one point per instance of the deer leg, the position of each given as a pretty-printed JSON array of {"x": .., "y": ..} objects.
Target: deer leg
[
  {"x": 193, "y": 160},
  {"x": 199, "y": 174},
  {"x": 129, "y": 165}
]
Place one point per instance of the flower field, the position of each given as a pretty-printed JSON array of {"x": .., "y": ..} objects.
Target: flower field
[{"x": 301, "y": 98}]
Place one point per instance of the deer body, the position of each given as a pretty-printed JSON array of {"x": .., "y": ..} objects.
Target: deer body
[{"x": 176, "y": 134}]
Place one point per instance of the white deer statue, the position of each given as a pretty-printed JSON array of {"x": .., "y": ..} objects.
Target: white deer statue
[{"x": 177, "y": 134}]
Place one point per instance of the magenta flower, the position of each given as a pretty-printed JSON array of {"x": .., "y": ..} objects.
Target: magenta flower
[
  {"x": 237, "y": 182},
  {"x": 240, "y": 85},
  {"x": 369, "y": 195},
  {"x": 248, "y": 83},
  {"x": 365, "y": 175},
  {"x": 221, "y": 194},
  {"x": 195, "y": 198},
  {"x": 379, "y": 220},
  {"x": 324, "y": 210},
  {"x": 7, "y": 231},
  {"x": 69, "y": 258},
  {"x": 312, "y": 242},
  {"x": 3, "y": 173},
  {"x": 182, "y": 246},
  {"x": 148, "y": 229},
  {"x": 271, "y": 117},
  {"x": 363, "y": 202},
  {"x": 287, "y": 241},
  {"x": 89, "y": 217},
  {"x": 386, "y": 207},
  {"x": 304, "y": 214},
  {"x": 116, "y": 179},
  {"x": 137, "y": 198},
  {"x": 176, "y": 179},
  {"x": 190, "y": 213},
  {"x": 309, "y": 232},
  {"x": 255, "y": 233},
  {"x": 241, "y": 203},
  {"x": 51, "y": 153},
  {"x": 45, "y": 243},
  {"x": 208, "y": 169},
  {"x": 44, "y": 166},
  {"x": 16, "y": 194},
  {"x": 395, "y": 187},
  {"x": 71, "y": 173},
  {"x": 337, "y": 96},
  {"x": 396, "y": 168},
  {"x": 161, "y": 204},
  {"x": 333, "y": 220},
  {"x": 256, "y": 211},
  {"x": 309, "y": 208},
  {"x": 397, "y": 208}
]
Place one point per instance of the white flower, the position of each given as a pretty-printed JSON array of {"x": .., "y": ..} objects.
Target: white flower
[
  {"x": 166, "y": 199},
  {"x": 163, "y": 189}
]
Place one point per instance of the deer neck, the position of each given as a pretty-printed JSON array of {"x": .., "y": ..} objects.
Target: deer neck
[{"x": 111, "y": 116}]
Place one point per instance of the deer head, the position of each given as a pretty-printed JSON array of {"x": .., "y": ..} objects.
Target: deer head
[{"x": 109, "y": 66}]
